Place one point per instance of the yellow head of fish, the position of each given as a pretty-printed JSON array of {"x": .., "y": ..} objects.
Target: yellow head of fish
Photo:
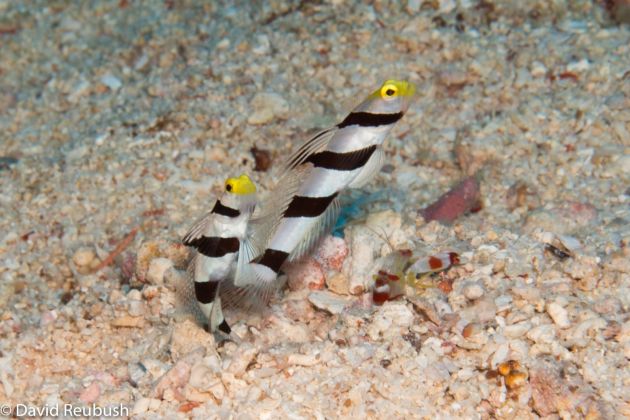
[
  {"x": 391, "y": 97},
  {"x": 242, "y": 185},
  {"x": 393, "y": 89}
]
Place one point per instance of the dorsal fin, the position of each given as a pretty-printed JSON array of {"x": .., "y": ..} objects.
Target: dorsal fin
[
  {"x": 199, "y": 228},
  {"x": 315, "y": 144}
]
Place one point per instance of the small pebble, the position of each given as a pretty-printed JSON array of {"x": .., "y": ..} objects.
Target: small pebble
[
  {"x": 134, "y": 294},
  {"x": 157, "y": 268},
  {"x": 48, "y": 318},
  {"x": 266, "y": 107},
  {"x": 216, "y": 154},
  {"x": 83, "y": 257},
  {"x": 500, "y": 355},
  {"x": 338, "y": 283},
  {"x": 136, "y": 308},
  {"x": 544, "y": 334},
  {"x": 517, "y": 330},
  {"x": 328, "y": 301},
  {"x": 473, "y": 291},
  {"x": 538, "y": 69},
  {"x": 111, "y": 81},
  {"x": 263, "y": 46},
  {"x": 559, "y": 315}
]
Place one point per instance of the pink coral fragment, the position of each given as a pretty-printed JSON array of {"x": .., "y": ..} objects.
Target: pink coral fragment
[
  {"x": 331, "y": 253},
  {"x": 91, "y": 393},
  {"x": 306, "y": 273},
  {"x": 463, "y": 198}
]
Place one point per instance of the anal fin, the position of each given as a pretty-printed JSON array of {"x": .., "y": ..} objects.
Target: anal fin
[{"x": 253, "y": 290}]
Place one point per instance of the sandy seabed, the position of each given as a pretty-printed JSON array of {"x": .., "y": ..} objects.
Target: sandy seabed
[{"x": 119, "y": 121}]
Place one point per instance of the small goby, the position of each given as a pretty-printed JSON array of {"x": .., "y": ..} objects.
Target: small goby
[
  {"x": 347, "y": 155},
  {"x": 219, "y": 238}
]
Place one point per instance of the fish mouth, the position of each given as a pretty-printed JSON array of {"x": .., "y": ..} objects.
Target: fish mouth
[
  {"x": 408, "y": 94},
  {"x": 409, "y": 89}
]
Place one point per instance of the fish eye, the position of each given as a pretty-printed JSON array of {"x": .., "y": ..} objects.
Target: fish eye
[
  {"x": 389, "y": 91},
  {"x": 228, "y": 187}
]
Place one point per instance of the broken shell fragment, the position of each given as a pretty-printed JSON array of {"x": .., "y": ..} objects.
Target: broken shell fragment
[
  {"x": 515, "y": 379},
  {"x": 560, "y": 246}
]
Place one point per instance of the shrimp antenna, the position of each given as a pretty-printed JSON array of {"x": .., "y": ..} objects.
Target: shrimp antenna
[{"x": 384, "y": 237}]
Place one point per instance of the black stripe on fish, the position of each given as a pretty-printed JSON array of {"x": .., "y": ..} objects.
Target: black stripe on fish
[
  {"x": 301, "y": 206},
  {"x": 367, "y": 119},
  {"x": 273, "y": 259},
  {"x": 348, "y": 161},
  {"x": 206, "y": 291},
  {"x": 214, "y": 247},
  {"x": 219, "y": 208},
  {"x": 225, "y": 327}
]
